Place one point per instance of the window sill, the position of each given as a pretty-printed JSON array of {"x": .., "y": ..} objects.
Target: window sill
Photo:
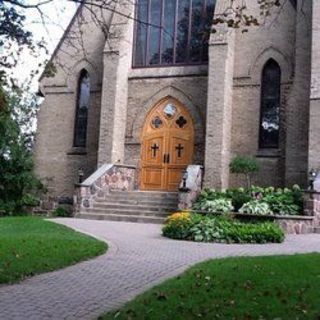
[
  {"x": 268, "y": 153},
  {"x": 77, "y": 151}
]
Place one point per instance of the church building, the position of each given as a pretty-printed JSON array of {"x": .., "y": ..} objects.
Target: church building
[{"x": 160, "y": 87}]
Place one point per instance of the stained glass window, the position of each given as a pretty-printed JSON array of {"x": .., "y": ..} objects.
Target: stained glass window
[
  {"x": 172, "y": 32},
  {"x": 157, "y": 122},
  {"x": 270, "y": 105},
  {"x": 81, "y": 121}
]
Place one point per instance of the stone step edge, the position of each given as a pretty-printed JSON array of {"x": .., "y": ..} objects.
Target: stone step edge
[
  {"x": 123, "y": 218},
  {"x": 126, "y": 212},
  {"x": 137, "y": 202},
  {"x": 134, "y": 206},
  {"x": 143, "y": 195}
]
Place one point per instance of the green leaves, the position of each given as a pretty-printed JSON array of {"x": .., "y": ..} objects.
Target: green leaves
[
  {"x": 256, "y": 201},
  {"x": 222, "y": 205},
  {"x": 223, "y": 229},
  {"x": 255, "y": 207},
  {"x": 17, "y": 180},
  {"x": 245, "y": 166}
]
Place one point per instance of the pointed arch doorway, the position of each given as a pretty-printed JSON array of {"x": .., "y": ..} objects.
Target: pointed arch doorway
[{"x": 167, "y": 146}]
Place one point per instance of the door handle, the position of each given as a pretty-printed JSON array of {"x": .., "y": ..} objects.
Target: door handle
[{"x": 166, "y": 158}]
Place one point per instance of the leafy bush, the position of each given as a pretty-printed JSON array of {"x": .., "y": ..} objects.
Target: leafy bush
[
  {"x": 280, "y": 201},
  {"x": 239, "y": 198},
  {"x": 256, "y": 207},
  {"x": 177, "y": 225},
  {"x": 220, "y": 229},
  {"x": 254, "y": 233},
  {"x": 30, "y": 200},
  {"x": 17, "y": 178},
  {"x": 61, "y": 212},
  {"x": 222, "y": 205},
  {"x": 245, "y": 166},
  {"x": 285, "y": 202}
]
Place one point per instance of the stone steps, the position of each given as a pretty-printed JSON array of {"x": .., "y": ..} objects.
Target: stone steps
[
  {"x": 130, "y": 211},
  {"x": 124, "y": 218},
  {"x": 143, "y": 196},
  {"x": 136, "y": 206}
]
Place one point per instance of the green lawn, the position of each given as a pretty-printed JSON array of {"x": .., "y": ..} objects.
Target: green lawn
[
  {"x": 279, "y": 287},
  {"x": 30, "y": 246}
]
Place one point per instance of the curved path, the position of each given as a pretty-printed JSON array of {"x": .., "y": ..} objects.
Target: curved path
[{"x": 137, "y": 259}]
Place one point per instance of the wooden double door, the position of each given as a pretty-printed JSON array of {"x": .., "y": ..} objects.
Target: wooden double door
[{"x": 167, "y": 146}]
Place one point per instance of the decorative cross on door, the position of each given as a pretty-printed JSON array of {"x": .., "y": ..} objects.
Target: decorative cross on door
[
  {"x": 155, "y": 148},
  {"x": 179, "y": 148}
]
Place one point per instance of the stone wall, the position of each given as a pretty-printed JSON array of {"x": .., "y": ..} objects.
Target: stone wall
[
  {"x": 222, "y": 98},
  {"x": 314, "y": 131},
  {"x": 297, "y": 119},
  {"x": 107, "y": 178},
  {"x": 275, "y": 39},
  {"x": 57, "y": 162},
  {"x": 188, "y": 85}
]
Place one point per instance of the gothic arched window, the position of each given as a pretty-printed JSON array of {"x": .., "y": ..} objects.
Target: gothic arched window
[
  {"x": 81, "y": 121},
  {"x": 172, "y": 32},
  {"x": 270, "y": 105}
]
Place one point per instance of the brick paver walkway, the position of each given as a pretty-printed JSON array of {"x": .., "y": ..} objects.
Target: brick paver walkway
[{"x": 137, "y": 259}]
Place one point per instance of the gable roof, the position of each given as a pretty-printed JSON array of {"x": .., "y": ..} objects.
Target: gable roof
[{"x": 57, "y": 48}]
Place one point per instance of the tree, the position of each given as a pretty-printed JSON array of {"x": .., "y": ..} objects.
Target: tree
[
  {"x": 245, "y": 166},
  {"x": 18, "y": 184}
]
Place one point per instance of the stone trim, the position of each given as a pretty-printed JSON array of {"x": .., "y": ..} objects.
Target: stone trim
[
  {"x": 168, "y": 72},
  {"x": 268, "y": 153},
  {"x": 107, "y": 178}
]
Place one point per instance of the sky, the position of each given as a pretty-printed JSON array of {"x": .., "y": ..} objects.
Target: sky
[{"x": 49, "y": 26}]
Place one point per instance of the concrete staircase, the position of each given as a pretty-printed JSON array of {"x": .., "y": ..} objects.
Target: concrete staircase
[{"x": 135, "y": 206}]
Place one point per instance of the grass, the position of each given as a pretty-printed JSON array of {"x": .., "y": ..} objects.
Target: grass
[
  {"x": 278, "y": 287},
  {"x": 30, "y": 246}
]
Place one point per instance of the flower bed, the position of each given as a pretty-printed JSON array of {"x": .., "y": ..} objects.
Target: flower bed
[
  {"x": 223, "y": 229},
  {"x": 253, "y": 201}
]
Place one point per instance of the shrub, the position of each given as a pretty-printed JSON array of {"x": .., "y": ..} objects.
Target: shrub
[
  {"x": 177, "y": 225},
  {"x": 221, "y": 229},
  {"x": 252, "y": 201},
  {"x": 282, "y": 204},
  {"x": 254, "y": 233},
  {"x": 30, "y": 200},
  {"x": 222, "y": 205},
  {"x": 245, "y": 166},
  {"x": 256, "y": 207},
  {"x": 61, "y": 212},
  {"x": 207, "y": 230},
  {"x": 239, "y": 198}
]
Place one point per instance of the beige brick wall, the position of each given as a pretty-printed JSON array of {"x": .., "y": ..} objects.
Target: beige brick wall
[
  {"x": 276, "y": 39},
  {"x": 314, "y": 133},
  {"x": 225, "y": 107},
  {"x": 57, "y": 163},
  {"x": 145, "y": 91}
]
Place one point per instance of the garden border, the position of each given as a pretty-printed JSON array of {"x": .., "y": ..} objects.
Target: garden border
[{"x": 294, "y": 224}]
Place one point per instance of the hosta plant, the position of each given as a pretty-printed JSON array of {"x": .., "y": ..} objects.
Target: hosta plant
[
  {"x": 222, "y": 205},
  {"x": 256, "y": 207}
]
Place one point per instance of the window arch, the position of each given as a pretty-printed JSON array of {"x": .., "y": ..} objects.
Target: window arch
[
  {"x": 270, "y": 105},
  {"x": 81, "y": 120},
  {"x": 172, "y": 32}
]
